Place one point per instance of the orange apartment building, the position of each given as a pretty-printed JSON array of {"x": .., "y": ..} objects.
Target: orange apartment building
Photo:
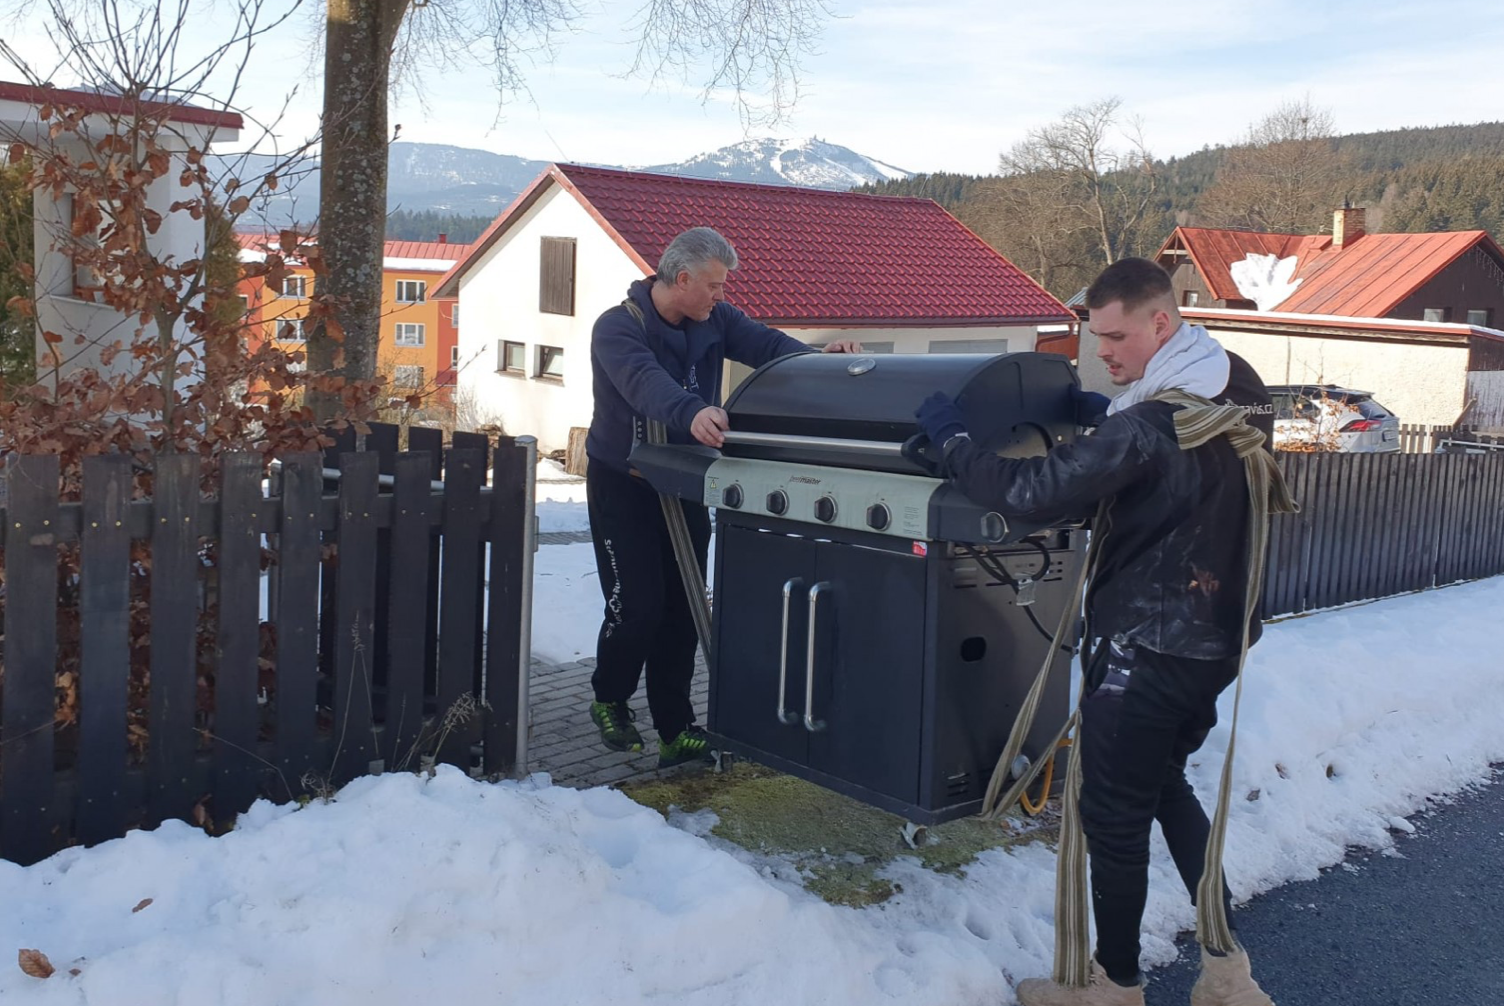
[{"x": 418, "y": 332}]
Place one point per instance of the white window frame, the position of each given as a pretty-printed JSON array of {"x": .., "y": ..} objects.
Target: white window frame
[
  {"x": 414, "y": 286},
  {"x": 412, "y": 372},
  {"x": 503, "y": 360},
  {"x": 299, "y": 333},
  {"x": 454, "y": 315},
  {"x": 299, "y": 285},
  {"x": 409, "y": 333},
  {"x": 538, "y": 363}
]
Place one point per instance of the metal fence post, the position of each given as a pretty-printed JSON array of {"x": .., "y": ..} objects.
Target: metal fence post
[{"x": 525, "y": 643}]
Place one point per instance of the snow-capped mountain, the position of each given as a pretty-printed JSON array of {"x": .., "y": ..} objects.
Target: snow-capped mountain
[
  {"x": 812, "y": 163},
  {"x": 460, "y": 180}
]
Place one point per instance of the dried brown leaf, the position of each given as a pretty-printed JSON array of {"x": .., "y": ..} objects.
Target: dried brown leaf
[
  {"x": 140, "y": 905},
  {"x": 35, "y": 963}
]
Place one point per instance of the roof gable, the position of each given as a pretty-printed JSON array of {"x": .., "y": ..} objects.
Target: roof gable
[
  {"x": 1367, "y": 278},
  {"x": 808, "y": 256}
]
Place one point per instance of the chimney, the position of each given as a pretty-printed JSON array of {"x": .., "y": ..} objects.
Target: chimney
[
  {"x": 444, "y": 238},
  {"x": 1347, "y": 225}
]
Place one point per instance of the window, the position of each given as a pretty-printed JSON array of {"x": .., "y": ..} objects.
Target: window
[
  {"x": 294, "y": 286},
  {"x": 1438, "y": 314},
  {"x": 291, "y": 330},
  {"x": 550, "y": 363},
  {"x": 454, "y": 315},
  {"x": 454, "y": 357},
  {"x": 407, "y": 377},
  {"x": 409, "y": 334},
  {"x": 245, "y": 304},
  {"x": 556, "y": 276},
  {"x": 511, "y": 358},
  {"x": 1483, "y": 318},
  {"x": 412, "y": 291},
  {"x": 1190, "y": 298}
]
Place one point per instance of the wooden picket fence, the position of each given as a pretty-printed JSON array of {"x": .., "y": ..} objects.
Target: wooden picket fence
[
  {"x": 1415, "y": 439},
  {"x": 1374, "y": 525},
  {"x": 389, "y": 602}
]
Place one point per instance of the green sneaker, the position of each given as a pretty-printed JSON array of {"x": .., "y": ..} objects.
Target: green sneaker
[
  {"x": 690, "y": 746},
  {"x": 614, "y": 719}
]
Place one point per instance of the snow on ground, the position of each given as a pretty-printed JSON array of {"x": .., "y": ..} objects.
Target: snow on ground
[
  {"x": 560, "y": 499},
  {"x": 452, "y": 890}
]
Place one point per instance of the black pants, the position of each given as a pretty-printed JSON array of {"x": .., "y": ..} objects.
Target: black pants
[
  {"x": 647, "y": 619},
  {"x": 1143, "y": 717}
]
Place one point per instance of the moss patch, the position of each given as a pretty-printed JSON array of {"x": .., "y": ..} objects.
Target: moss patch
[{"x": 838, "y": 844}]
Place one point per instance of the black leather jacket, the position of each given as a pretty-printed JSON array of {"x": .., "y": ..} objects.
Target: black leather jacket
[{"x": 1173, "y": 563}]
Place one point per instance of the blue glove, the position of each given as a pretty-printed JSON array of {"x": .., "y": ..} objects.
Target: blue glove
[
  {"x": 1090, "y": 406},
  {"x": 940, "y": 418}
]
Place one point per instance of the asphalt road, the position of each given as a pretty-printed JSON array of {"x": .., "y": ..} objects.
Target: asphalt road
[{"x": 1425, "y": 926}]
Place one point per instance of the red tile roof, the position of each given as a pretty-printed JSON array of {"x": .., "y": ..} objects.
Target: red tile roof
[
  {"x": 808, "y": 256},
  {"x": 1366, "y": 278},
  {"x": 451, "y": 250},
  {"x": 114, "y": 104}
]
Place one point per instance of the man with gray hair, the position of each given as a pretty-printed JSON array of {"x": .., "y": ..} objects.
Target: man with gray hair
[{"x": 659, "y": 355}]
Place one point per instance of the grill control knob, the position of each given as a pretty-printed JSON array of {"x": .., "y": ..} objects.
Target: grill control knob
[
  {"x": 732, "y": 497},
  {"x": 825, "y": 509},
  {"x": 778, "y": 502},
  {"x": 879, "y": 517}
]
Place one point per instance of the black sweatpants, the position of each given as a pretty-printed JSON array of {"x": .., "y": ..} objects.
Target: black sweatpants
[
  {"x": 647, "y": 621},
  {"x": 1144, "y": 715}
]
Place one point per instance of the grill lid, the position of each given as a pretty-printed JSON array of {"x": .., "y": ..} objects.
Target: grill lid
[{"x": 854, "y": 411}]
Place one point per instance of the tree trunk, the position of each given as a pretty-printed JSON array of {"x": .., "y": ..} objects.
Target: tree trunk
[{"x": 352, "y": 199}]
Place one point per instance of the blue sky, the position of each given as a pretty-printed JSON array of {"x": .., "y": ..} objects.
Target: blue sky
[{"x": 948, "y": 85}]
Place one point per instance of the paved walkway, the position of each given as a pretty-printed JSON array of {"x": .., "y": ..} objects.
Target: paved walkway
[{"x": 565, "y": 743}]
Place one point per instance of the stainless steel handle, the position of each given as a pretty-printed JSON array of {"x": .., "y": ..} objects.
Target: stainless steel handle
[
  {"x": 878, "y": 448},
  {"x": 810, "y": 723},
  {"x": 784, "y": 716}
]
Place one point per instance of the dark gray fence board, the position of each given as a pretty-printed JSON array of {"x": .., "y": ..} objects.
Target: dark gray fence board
[
  {"x": 355, "y": 615},
  {"x": 175, "y": 585},
  {"x": 407, "y": 611},
  {"x": 459, "y": 607},
  {"x": 504, "y": 622},
  {"x": 236, "y": 712},
  {"x": 104, "y": 675},
  {"x": 26, "y": 730},
  {"x": 296, "y": 618}
]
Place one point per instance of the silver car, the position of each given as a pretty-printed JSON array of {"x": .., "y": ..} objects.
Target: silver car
[{"x": 1324, "y": 417}]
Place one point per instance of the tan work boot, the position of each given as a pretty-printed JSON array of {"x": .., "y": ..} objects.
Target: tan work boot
[
  {"x": 1227, "y": 981},
  {"x": 1101, "y": 991}
]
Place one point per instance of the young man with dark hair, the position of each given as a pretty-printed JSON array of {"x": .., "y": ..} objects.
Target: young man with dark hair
[
  {"x": 659, "y": 355},
  {"x": 1165, "y": 607}
]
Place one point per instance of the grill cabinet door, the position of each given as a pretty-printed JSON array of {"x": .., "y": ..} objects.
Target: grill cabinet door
[
  {"x": 869, "y": 667},
  {"x": 748, "y": 637}
]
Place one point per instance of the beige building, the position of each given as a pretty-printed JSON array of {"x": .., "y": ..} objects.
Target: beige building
[{"x": 1427, "y": 373}]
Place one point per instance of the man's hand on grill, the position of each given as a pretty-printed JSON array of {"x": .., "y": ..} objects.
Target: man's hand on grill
[
  {"x": 708, "y": 425},
  {"x": 940, "y": 419},
  {"x": 842, "y": 346}
]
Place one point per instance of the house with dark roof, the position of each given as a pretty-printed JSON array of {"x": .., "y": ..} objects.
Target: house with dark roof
[
  {"x": 901, "y": 275},
  {"x": 1409, "y": 317}
]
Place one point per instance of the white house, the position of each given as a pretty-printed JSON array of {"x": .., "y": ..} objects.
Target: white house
[
  {"x": 901, "y": 275},
  {"x": 62, "y": 302}
]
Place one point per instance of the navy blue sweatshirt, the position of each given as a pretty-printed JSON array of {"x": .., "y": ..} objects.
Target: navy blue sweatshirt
[{"x": 655, "y": 370}]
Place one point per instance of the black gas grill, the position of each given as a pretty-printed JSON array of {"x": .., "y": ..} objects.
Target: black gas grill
[{"x": 875, "y": 631}]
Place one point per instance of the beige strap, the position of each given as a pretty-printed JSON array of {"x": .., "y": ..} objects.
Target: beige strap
[{"x": 1197, "y": 421}]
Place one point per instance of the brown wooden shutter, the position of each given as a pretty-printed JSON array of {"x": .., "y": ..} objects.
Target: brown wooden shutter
[{"x": 556, "y": 276}]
